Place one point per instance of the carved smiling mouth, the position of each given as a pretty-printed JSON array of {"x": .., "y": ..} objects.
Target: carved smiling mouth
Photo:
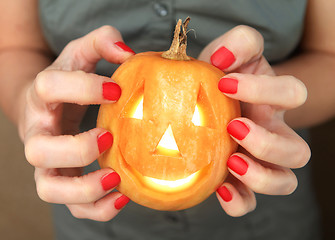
[
  {"x": 165, "y": 185},
  {"x": 172, "y": 185}
]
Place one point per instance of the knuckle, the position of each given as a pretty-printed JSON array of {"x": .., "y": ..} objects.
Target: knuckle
[
  {"x": 41, "y": 84},
  {"x": 104, "y": 216},
  {"x": 287, "y": 183},
  {"x": 81, "y": 212},
  {"x": 303, "y": 155},
  {"x": 242, "y": 210},
  {"x": 292, "y": 186},
  {"x": 261, "y": 183},
  {"x": 71, "y": 45},
  {"x": 76, "y": 212},
  {"x": 82, "y": 156},
  {"x": 263, "y": 150},
  {"x": 300, "y": 92},
  {"x": 83, "y": 151},
  {"x": 253, "y": 39},
  {"x": 109, "y": 30},
  {"x": 87, "y": 191},
  {"x": 297, "y": 93},
  {"x": 43, "y": 191},
  {"x": 32, "y": 154}
]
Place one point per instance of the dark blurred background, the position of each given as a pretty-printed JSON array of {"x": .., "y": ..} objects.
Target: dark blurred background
[{"x": 24, "y": 216}]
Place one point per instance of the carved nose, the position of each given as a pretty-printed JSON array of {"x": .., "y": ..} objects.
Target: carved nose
[{"x": 167, "y": 145}]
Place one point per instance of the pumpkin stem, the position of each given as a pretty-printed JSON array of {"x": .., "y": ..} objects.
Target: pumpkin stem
[{"x": 177, "y": 50}]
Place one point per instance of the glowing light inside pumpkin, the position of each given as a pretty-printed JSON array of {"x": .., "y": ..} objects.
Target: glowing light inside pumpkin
[
  {"x": 197, "y": 119},
  {"x": 168, "y": 141},
  {"x": 138, "y": 109},
  {"x": 166, "y": 185}
]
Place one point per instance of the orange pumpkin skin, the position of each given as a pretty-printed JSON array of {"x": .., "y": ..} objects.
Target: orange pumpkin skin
[{"x": 171, "y": 89}]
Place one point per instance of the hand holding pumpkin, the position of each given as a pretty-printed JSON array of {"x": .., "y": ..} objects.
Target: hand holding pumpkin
[
  {"x": 54, "y": 108},
  {"x": 269, "y": 147}
]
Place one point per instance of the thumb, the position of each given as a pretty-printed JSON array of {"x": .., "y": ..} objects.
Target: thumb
[
  {"x": 237, "y": 47},
  {"x": 83, "y": 53}
]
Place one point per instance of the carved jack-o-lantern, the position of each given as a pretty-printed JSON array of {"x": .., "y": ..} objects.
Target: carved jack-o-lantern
[{"x": 169, "y": 126}]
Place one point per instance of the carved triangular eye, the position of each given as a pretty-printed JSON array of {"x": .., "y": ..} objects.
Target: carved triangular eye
[
  {"x": 134, "y": 106},
  {"x": 203, "y": 115}
]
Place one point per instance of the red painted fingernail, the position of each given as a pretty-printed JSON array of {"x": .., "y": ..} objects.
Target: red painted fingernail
[
  {"x": 121, "y": 202},
  {"x": 105, "y": 141},
  {"x": 124, "y": 47},
  {"x": 228, "y": 85},
  {"x": 222, "y": 58},
  {"x": 224, "y": 193},
  {"x": 238, "y": 129},
  {"x": 111, "y": 91},
  {"x": 110, "y": 180},
  {"x": 238, "y": 165}
]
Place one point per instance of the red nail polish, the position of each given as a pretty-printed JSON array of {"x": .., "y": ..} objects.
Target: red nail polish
[
  {"x": 228, "y": 85},
  {"x": 121, "y": 202},
  {"x": 222, "y": 58},
  {"x": 124, "y": 47},
  {"x": 238, "y": 129},
  {"x": 111, "y": 91},
  {"x": 238, "y": 165},
  {"x": 110, "y": 180},
  {"x": 224, "y": 193},
  {"x": 105, "y": 141}
]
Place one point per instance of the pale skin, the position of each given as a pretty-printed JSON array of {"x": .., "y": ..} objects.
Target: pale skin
[{"x": 34, "y": 89}]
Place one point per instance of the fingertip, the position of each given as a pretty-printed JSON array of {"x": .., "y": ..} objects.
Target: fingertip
[
  {"x": 228, "y": 85},
  {"x": 105, "y": 141},
  {"x": 123, "y": 47},
  {"x": 222, "y": 58},
  {"x": 224, "y": 193},
  {"x": 111, "y": 91},
  {"x": 236, "y": 200},
  {"x": 237, "y": 164},
  {"x": 110, "y": 181},
  {"x": 238, "y": 129},
  {"x": 121, "y": 202}
]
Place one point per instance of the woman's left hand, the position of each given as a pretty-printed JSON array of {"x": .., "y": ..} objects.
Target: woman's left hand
[{"x": 269, "y": 148}]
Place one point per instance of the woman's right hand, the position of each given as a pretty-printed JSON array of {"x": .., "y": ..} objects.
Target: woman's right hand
[{"x": 55, "y": 104}]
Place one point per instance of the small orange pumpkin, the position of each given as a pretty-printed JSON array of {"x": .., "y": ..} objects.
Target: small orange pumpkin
[{"x": 170, "y": 140}]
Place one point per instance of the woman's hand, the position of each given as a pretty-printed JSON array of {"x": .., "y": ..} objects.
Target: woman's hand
[
  {"x": 55, "y": 104},
  {"x": 269, "y": 148}
]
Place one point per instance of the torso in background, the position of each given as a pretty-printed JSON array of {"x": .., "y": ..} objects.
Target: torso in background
[{"x": 148, "y": 26}]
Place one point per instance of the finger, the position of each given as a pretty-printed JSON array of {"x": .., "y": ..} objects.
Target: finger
[
  {"x": 285, "y": 92},
  {"x": 235, "y": 48},
  {"x": 262, "y": 178},
  {"x": 102, "y": 210},
  {"x": 81, "y": 88},
  {"x": 46, "y": 151},
  {"x": 55, "y": 188},
  {"x": 235, "y": 198},
  {"x": 84, "y": 53},
  {"x": 285, "y": 148}
]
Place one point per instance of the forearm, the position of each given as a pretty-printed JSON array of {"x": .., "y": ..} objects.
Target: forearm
[
  {"x": 317, "y": 71},
  {"x": 23, "y": 52},
  {"x": 18, "y": 67}
]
